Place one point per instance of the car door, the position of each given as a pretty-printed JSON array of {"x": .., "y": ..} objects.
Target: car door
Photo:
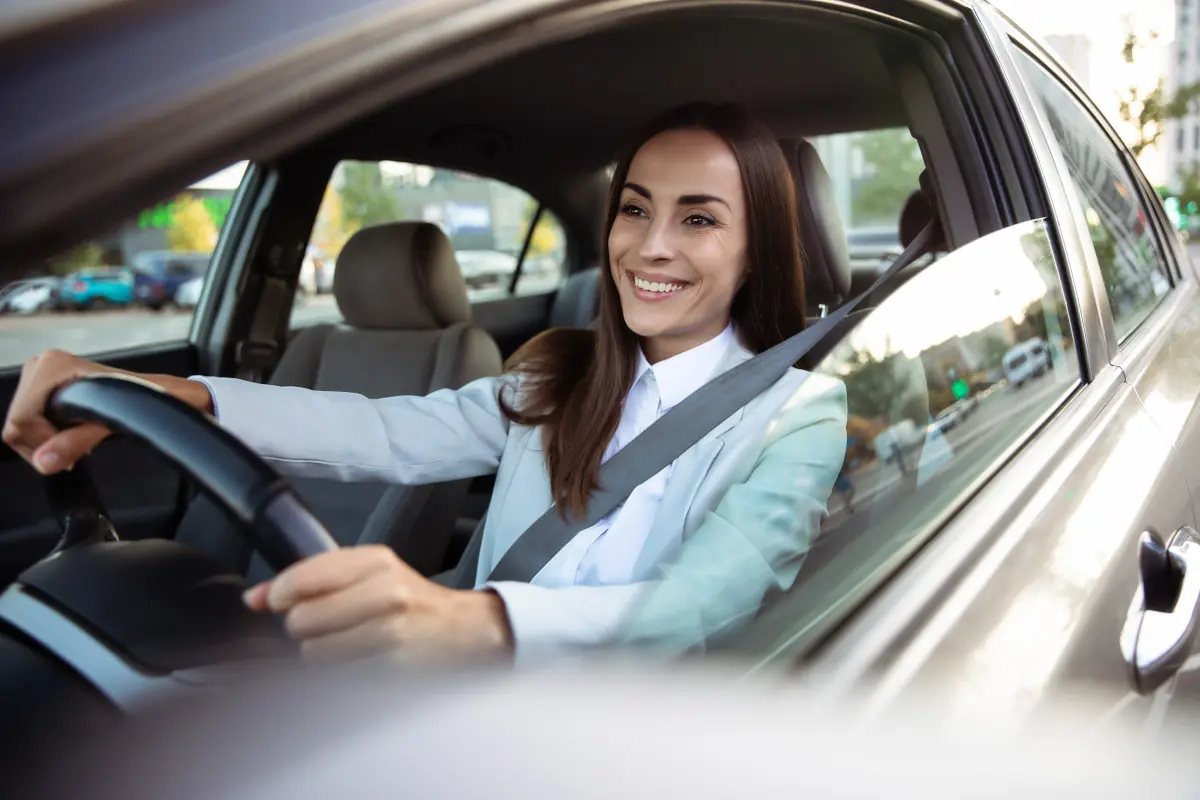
[
  {"x": 1152, "y": 304},
  {"x": 143, "y": 494},
  {"x": 1027, "y": 590}
]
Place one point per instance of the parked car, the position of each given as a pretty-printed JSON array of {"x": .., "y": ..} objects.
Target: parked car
[
  {"x": 483, "y": 268},
  {"x": 1054, "y": 553},
  {"x": 98, "y": 288},
  {"x": 1026, "y": 361},
  {"x": 29, "y": 296},
  {"x": 188, "y": 295},
  {"x": 158, "y": 274},
  {"x": 948, "y": 418}
]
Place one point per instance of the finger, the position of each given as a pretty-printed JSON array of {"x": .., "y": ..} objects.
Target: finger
[
  {"x": 255, "y": 597},
  {"x": 63, "y": 449},
  {"x": 326, "y": 573},
  {"x": 377, "y": 635},
  {"x": 381, "y": 594}
]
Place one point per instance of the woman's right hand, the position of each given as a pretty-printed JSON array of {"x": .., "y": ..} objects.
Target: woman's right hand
[{"x": 26, "y": 428}]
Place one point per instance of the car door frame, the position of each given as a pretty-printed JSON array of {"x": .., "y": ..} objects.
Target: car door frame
[{"x": 891, "y": 639}]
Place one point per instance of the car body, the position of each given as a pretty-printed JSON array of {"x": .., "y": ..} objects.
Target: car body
[
  {"x": 97, "y": 288},
  {"x": 1026, "y": 361},
  {"x": 949, "y": 418},
  {"x": 29, "y": 296},
  {"x": 1024, "y": 561},
  {"x": 188, "y": 294},
  {"x": 158, "y": 274}
]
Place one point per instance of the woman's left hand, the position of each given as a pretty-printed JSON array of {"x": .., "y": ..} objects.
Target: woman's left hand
[{"x": 364, "y": 600}]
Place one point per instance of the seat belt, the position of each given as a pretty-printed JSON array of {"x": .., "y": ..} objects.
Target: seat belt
[
  {"x": 668, "y": 438},
  {"x": 257, "y": 354}
]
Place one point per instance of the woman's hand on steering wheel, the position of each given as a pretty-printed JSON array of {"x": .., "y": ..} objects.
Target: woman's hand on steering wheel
[
  {"x": 364, "y": 600},
  {"x": 35, "y": 438}
]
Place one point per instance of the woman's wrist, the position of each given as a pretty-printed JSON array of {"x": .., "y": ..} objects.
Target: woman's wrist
[{"x": 194, "y": 393}]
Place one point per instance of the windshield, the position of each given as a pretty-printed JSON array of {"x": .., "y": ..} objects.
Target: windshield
[{"x": 813, "y": 493}]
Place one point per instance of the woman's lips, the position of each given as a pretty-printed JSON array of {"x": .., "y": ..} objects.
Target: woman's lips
[{"x": 655, "y": 288}]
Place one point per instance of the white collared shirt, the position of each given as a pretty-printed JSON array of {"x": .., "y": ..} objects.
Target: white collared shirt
[{"x": 606, "y": 553}]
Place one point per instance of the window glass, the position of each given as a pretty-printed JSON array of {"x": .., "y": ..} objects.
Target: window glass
[
  {"x": 873, "y": 173},
  {"x": 940, "y": 379},
  {"x": 122, "y": 289},
  {"x": 1131, "y": 265},
  {"x": 486, "y": 221}
]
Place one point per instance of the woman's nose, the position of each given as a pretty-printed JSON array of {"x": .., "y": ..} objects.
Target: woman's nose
[{"x": 657, "y": 246}]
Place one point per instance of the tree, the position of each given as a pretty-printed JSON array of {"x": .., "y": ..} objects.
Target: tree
[
  {"x": 191, "y": 226},
  {"x": 332, "y": 230},
  {"x": 894, "y": 166},
  {"x": 1145, "y": 112},
  {"x": 366, "y": 199},
  {"x": 88, "y": 254}
]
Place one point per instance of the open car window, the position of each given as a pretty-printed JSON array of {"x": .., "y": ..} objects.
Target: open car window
[
  {"x": 838, "y": 475},
  {"x": 137, "y": 284},
  {"x": 486, "y": 220}
]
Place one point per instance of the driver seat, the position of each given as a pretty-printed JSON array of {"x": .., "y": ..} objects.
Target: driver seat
[{"x": 407, "y": 330}]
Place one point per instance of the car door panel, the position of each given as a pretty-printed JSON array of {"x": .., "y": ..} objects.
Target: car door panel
[
  {"x": 1023, "y": 596},
  {"x": 514, "y": 320},
  {"x": 139, "y": 487},
  {"x": 1162, "y": 363}
]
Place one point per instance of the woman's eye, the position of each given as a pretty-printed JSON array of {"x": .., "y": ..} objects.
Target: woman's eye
[
  {"x": 700, "y": 220},
  {"x": 630, "y": 210}
]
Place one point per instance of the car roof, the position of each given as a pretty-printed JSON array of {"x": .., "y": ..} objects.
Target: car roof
[{"x": 542, "y": 119}]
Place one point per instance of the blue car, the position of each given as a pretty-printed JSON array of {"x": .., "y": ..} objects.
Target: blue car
[
  {"x": 158, "y": 275},
  {"x": 92, "y": 289}
]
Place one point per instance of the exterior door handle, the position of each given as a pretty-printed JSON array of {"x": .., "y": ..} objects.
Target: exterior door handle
[{"x": 1164, "y": 617}]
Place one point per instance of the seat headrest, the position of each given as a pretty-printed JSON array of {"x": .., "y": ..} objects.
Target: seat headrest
[
  {"x": 918, "y": 212},
  {"x": 400, "y": 276},
  {"x": 822, "y": 237}
]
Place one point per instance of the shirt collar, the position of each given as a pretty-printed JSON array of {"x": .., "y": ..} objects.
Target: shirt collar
[{"x": 679, "y": 376}]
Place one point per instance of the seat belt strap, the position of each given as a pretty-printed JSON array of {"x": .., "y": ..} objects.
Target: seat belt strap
[
  {"x": 257, "y": 354},
  {"x": 676, "y": 432}
]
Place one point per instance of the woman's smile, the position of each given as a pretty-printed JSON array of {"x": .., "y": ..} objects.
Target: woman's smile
[{"x": 655, "y": 288}]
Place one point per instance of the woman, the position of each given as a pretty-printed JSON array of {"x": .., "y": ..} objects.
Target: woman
[{"x": 704, "y": 271}]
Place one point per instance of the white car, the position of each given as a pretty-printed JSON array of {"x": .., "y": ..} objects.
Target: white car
[
  {"x": 188, "y": 295},
  {"x": 30, "y": 299},
  {"x": 1026, "y": 361}
]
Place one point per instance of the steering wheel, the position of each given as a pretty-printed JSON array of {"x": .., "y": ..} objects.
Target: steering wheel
[
  {"x": 265, "y": 509},
  {"x": 124, "y": 622}
]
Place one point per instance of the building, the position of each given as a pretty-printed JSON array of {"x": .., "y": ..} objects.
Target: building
[
  {"x": 1075, "y": 51},
  {"x": 1181, "y": 137}
]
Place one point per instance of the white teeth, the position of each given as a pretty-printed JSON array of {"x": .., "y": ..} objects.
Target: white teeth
[{"x": 662, "y": 288}]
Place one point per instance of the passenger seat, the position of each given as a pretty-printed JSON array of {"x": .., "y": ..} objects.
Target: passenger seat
[
  {"x": 407, "y": 331},
  {"x": 577, "y": 301}
]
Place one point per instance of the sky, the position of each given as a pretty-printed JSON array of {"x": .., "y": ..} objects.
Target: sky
[{"x": 1105, "y": 23}]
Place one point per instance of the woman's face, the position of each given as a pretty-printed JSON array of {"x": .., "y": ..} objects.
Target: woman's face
[{"x": 677, "y": 247}]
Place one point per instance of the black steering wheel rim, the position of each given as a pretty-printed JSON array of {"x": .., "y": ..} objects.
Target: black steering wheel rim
[{"x": 261, "y": 503}]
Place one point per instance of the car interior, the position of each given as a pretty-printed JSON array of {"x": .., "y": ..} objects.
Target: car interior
[{"x": 548, "y": 121}]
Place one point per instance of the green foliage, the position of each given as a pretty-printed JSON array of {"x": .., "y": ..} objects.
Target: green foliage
[
  {"x": 894, "y": 163},
  {"x": 366, "y": 199},
  {"x": 88, "y": 254},
  {"x": 191, "y": 227},
  {"x": 1146, "y": 112}
]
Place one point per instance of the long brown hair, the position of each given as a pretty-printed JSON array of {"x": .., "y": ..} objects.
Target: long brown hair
[{"x": 574, "y": 382}]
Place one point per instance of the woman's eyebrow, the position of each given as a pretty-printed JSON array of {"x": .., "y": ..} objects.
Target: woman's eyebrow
[
  {"x": 684, "y": 199},
  {"x": 700, "y": 199}
]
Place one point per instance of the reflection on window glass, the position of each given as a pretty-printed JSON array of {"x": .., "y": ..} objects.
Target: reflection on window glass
[
  {"x": 947, "y": 373},
  {"x": 136, "y": 285},
  {"x": 487, "y": 222},
  {"x": 1134, "y": 272}
]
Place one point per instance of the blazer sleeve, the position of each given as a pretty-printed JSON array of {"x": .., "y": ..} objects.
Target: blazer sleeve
[
  {"x": 753, "y": 542},
  {"x": 446, "y": 435}
]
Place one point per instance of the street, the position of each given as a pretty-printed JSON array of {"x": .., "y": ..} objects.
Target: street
[{"x": 89, "y": 332}]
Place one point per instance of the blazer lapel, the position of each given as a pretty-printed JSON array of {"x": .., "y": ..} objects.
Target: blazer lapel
[{"x": 687, "y": 476}]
